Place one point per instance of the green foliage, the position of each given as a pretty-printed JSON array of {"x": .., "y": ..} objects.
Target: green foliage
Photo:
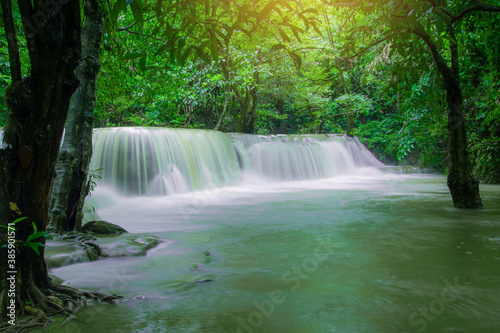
[
  {"x": 31, "y": 241},
  {"x": 93, "y": 175},
  {"x": 5, "y": 78},
  {"x": 322, "y": 69}
]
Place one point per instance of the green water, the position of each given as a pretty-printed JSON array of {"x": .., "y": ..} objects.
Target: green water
[{"x": 365, "y": 254}]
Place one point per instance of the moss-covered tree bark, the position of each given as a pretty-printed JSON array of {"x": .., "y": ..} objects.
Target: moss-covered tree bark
[
  {"x": 70, "y": 184},
  {"x": 37, "y": 106}
]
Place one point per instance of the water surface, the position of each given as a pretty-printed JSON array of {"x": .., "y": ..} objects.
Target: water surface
[{"x": 367, "y": 253}]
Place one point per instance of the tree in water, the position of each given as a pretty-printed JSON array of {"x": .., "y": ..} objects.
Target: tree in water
[{"x": 433, "y": 23}]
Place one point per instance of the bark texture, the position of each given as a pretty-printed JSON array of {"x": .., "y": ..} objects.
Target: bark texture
[
  {"x": 38, "y": 106},
  {"x": 70, "y": 185}
]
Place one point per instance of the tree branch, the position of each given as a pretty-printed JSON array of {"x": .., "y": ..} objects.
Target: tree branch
[
  {"x": 133, "y": 24},
  {"x": 374, "y": 44},
  {"x": 479, "y": 7},
  {"x": 446, "y": 72}
]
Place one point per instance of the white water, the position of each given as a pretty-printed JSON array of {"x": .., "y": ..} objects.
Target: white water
[{"x": 154, "y": 161}]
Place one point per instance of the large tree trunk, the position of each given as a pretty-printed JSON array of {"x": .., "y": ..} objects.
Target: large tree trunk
[
  {"x": 463, "y": 187},
  {"x": 38, "y": 106},
  {"x": 70, "y": 184}
]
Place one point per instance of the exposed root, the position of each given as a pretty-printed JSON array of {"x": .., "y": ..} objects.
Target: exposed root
[{"x": 54, "y": 300}]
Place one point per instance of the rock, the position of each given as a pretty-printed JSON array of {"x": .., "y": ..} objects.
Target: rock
[
  {"x": 103, "y": 228},
  {"x": 202, "y": 281},
  {"x": 130, "y": 246},
  {"x": 59, "y": 254},
  {"x": 92, "y": 250},
  {"x": 55, "y": 279}
]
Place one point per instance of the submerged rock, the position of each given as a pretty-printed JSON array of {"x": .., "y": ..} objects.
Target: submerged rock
[
  {"x": 130, "y": 246},
  {"x": 63, "y": 253},
  {"x": 103, "y": 228}
]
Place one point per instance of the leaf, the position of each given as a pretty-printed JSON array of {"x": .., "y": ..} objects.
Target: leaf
[
  {"x": 277, "y": 47},
  {"x": 296, "y": 30},
  {"x": 315, "y": 27},
  {"x": 168, "y": 46},
  {"x": 142, "y": 63},
  {"x": 214, "y": 47},
  {"x": 36, "y": 235},
  {"x": 264, "y": 13},
  {"x": 203, "y": 56},
  {"x": 120, "y": 5},
  {"x": 297, "y": 60},
  {"x": 35, "y": 246},
  {"x": 283, "y": 35},
  {"x": 452, "y": 40},
  {"x": 20, "y": 219},
  {"x": 137, "y": 12},
  {"x": 186, "y": 55},
  {"x": 14, "y": 208}
]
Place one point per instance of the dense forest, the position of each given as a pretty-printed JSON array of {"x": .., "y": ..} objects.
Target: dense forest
[
  {"x": 313, "y": 68},
  {"x": 418, "y": 82}
]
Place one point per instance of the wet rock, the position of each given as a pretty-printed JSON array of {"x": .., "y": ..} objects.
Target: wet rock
[
  {"x": 131, "y": 246},
  {"x": 92, "y": 250},
  {"x": 103, "y": 228},
  {"x": 75, "y": 236},
  {"x": 59, "y": 254},
  {"x": 55, "y": 279}
]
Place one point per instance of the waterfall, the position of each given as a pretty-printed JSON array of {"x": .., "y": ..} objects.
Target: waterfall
[
  {"x": 163, "y": 161},
  {"x": 301, "y": 157},
  {"x": 157, "y": 161}
]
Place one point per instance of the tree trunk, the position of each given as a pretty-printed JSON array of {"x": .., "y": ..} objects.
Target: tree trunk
[
  {"x": 349, "y": 120},
  {"x": 38, "y": 106},
  {"x": 246, "y": 123},
  {"x": 463, "y": 187},
  {"x": 70, "y": 184},
  {"x": 224, "y": 110}
]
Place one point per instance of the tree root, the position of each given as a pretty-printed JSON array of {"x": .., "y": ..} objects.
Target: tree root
[{"x": 54, "y": 300}]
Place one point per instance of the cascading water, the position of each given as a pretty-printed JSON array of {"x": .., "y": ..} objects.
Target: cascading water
[
  {"x": 154, "y": 161},
  {"x": 301, "y": 157},
  {"x": 159, "y": 161}
]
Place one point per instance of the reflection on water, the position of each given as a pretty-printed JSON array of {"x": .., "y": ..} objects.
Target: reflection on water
[{"x": 360, "y": 254}]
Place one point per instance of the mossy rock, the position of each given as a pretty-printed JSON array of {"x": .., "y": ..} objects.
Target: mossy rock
[
  {"x": 102, "y": 228},
  {"x": 130, "y": 246},
  {"x": 56, "y": 279}
]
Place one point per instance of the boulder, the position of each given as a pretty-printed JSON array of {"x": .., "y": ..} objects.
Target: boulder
[{"x": 103, "y": 228}]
